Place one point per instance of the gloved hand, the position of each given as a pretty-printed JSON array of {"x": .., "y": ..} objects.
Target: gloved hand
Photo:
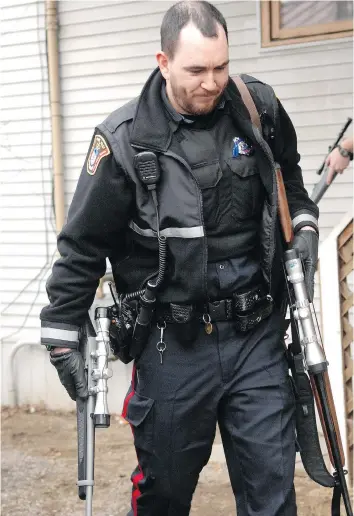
[
  {"x": 306, "y": 242},
  {"x": 71, "y": 371}
]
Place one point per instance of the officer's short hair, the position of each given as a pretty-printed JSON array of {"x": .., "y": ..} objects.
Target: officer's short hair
[{"x": 202, "y": 14}]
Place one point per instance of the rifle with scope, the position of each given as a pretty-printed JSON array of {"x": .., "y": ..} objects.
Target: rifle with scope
[{"x": 92, "y": 413}]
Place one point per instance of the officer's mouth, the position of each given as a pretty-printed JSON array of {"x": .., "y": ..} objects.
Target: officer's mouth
[{"x": 208, "y": 97}]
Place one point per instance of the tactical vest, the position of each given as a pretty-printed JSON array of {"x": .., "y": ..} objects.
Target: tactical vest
[{"x": 232, "y": 190}]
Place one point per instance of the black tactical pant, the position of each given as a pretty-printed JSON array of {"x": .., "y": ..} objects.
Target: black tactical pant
[{"x": 239, "y": 381}]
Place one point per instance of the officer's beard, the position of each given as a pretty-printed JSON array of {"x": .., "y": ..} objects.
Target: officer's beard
[{"x": 190, "y": 104}]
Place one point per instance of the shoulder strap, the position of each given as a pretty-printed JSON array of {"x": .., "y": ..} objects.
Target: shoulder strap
[
  {"x": 284, "y": 213},
  {"x": 248, "y": 101}
]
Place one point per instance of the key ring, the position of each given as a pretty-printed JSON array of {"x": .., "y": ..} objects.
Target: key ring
[
  {"x": 161, "y": 346},
  {"x": 207, "y": 323},
  {"x": 206, "y": 319}
]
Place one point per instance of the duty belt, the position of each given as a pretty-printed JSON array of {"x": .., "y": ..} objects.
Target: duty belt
[{"x": 246, "y": 309}]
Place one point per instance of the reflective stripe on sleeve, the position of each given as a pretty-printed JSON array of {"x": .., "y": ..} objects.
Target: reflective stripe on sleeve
[
  {"x": 304, "y": 217},
  {"x": 193, "y": 232},
  {"x": 59, "y": 334}
]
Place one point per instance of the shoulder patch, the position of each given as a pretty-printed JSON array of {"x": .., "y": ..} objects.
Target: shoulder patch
[{"x": 98, "y": 151}]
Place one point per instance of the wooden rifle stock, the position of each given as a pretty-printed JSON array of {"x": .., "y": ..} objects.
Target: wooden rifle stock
[
  {"x": 283, "y": 208},
  {"x": 332, "y": 409}
]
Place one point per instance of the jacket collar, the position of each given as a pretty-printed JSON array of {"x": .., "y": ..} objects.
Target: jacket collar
[
  {"x": 150, "y": 125},
  {"x": 151, "y": 128}
]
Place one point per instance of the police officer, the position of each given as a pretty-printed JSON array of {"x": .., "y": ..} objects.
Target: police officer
[{"x": 215, "y": 352}]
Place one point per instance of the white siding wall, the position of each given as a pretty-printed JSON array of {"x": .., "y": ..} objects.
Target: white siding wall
[
  {"x": 28, "y": 238},
  {"x": 106, "y": 54}
]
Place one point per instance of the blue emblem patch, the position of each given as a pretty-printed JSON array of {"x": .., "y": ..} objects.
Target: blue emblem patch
[{"x": 241, "y": 148}]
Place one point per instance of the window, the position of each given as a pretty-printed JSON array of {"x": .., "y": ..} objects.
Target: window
[{"x": 286, "y": 22}]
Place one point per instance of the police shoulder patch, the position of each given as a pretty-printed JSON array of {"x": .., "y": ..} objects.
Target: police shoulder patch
[{"x": 98, "y": 151}]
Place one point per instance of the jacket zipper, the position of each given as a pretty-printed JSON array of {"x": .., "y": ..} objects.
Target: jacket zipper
[{"x": 181, "y": 160}]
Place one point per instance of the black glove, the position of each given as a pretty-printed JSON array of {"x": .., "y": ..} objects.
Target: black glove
[
  {"x": 71, "y": 371},
  {"x": 306, "y": 242}
]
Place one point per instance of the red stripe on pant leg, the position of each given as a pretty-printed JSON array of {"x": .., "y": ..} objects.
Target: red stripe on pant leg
[
  {"x": 135, "y": 496},
  {"x": 126, "y": 403},
  {"x": 136, "y": 492},
  {"x": 136, "y": 478}
]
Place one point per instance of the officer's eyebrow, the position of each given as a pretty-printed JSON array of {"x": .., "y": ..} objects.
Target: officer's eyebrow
[{"x": 195, "y": 68}]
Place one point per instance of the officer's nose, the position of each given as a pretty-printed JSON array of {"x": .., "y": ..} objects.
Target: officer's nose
[{"x": 209, "y": 84}]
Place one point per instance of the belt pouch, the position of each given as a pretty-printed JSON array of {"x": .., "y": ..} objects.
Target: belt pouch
[
  {"x": 246, "y": 301},
  {"x": 185, "y": 323},
  {"x": 121, "y": 330},
  {"x": 120, "y": 347},
  {"x": 246, "y": 321},
  {"x": 124, "y": 354},
  {"x": 142, "y": 328}
]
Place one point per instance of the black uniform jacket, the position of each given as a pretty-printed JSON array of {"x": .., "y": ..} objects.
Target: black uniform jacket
[{"x": 112, "y": 214}]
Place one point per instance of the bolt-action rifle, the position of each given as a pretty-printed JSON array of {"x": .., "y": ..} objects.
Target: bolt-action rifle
[
  {"x": 307, "y": 358},
  {"x": 321, "y": 187},
  {"x": 310, "y": 373}
]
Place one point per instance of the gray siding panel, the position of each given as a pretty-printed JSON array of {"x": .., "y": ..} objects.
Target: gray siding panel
[{"x": 28, "y": 240}]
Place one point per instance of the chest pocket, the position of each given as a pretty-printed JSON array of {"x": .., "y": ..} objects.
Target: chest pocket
[
  {"x": 208, "y": 175},
  {"x": 246, "y": 188}
]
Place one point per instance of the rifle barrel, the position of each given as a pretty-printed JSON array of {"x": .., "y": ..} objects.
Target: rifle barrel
[
  {"x": 81, "y": 444},
  {"x": 321, "y": 187}
]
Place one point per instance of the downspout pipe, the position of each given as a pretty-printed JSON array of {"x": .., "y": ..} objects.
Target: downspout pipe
[{"x": 54, "y": 93}]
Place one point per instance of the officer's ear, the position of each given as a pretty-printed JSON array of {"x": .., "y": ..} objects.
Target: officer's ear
[{"x": 163, "y": 62}]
